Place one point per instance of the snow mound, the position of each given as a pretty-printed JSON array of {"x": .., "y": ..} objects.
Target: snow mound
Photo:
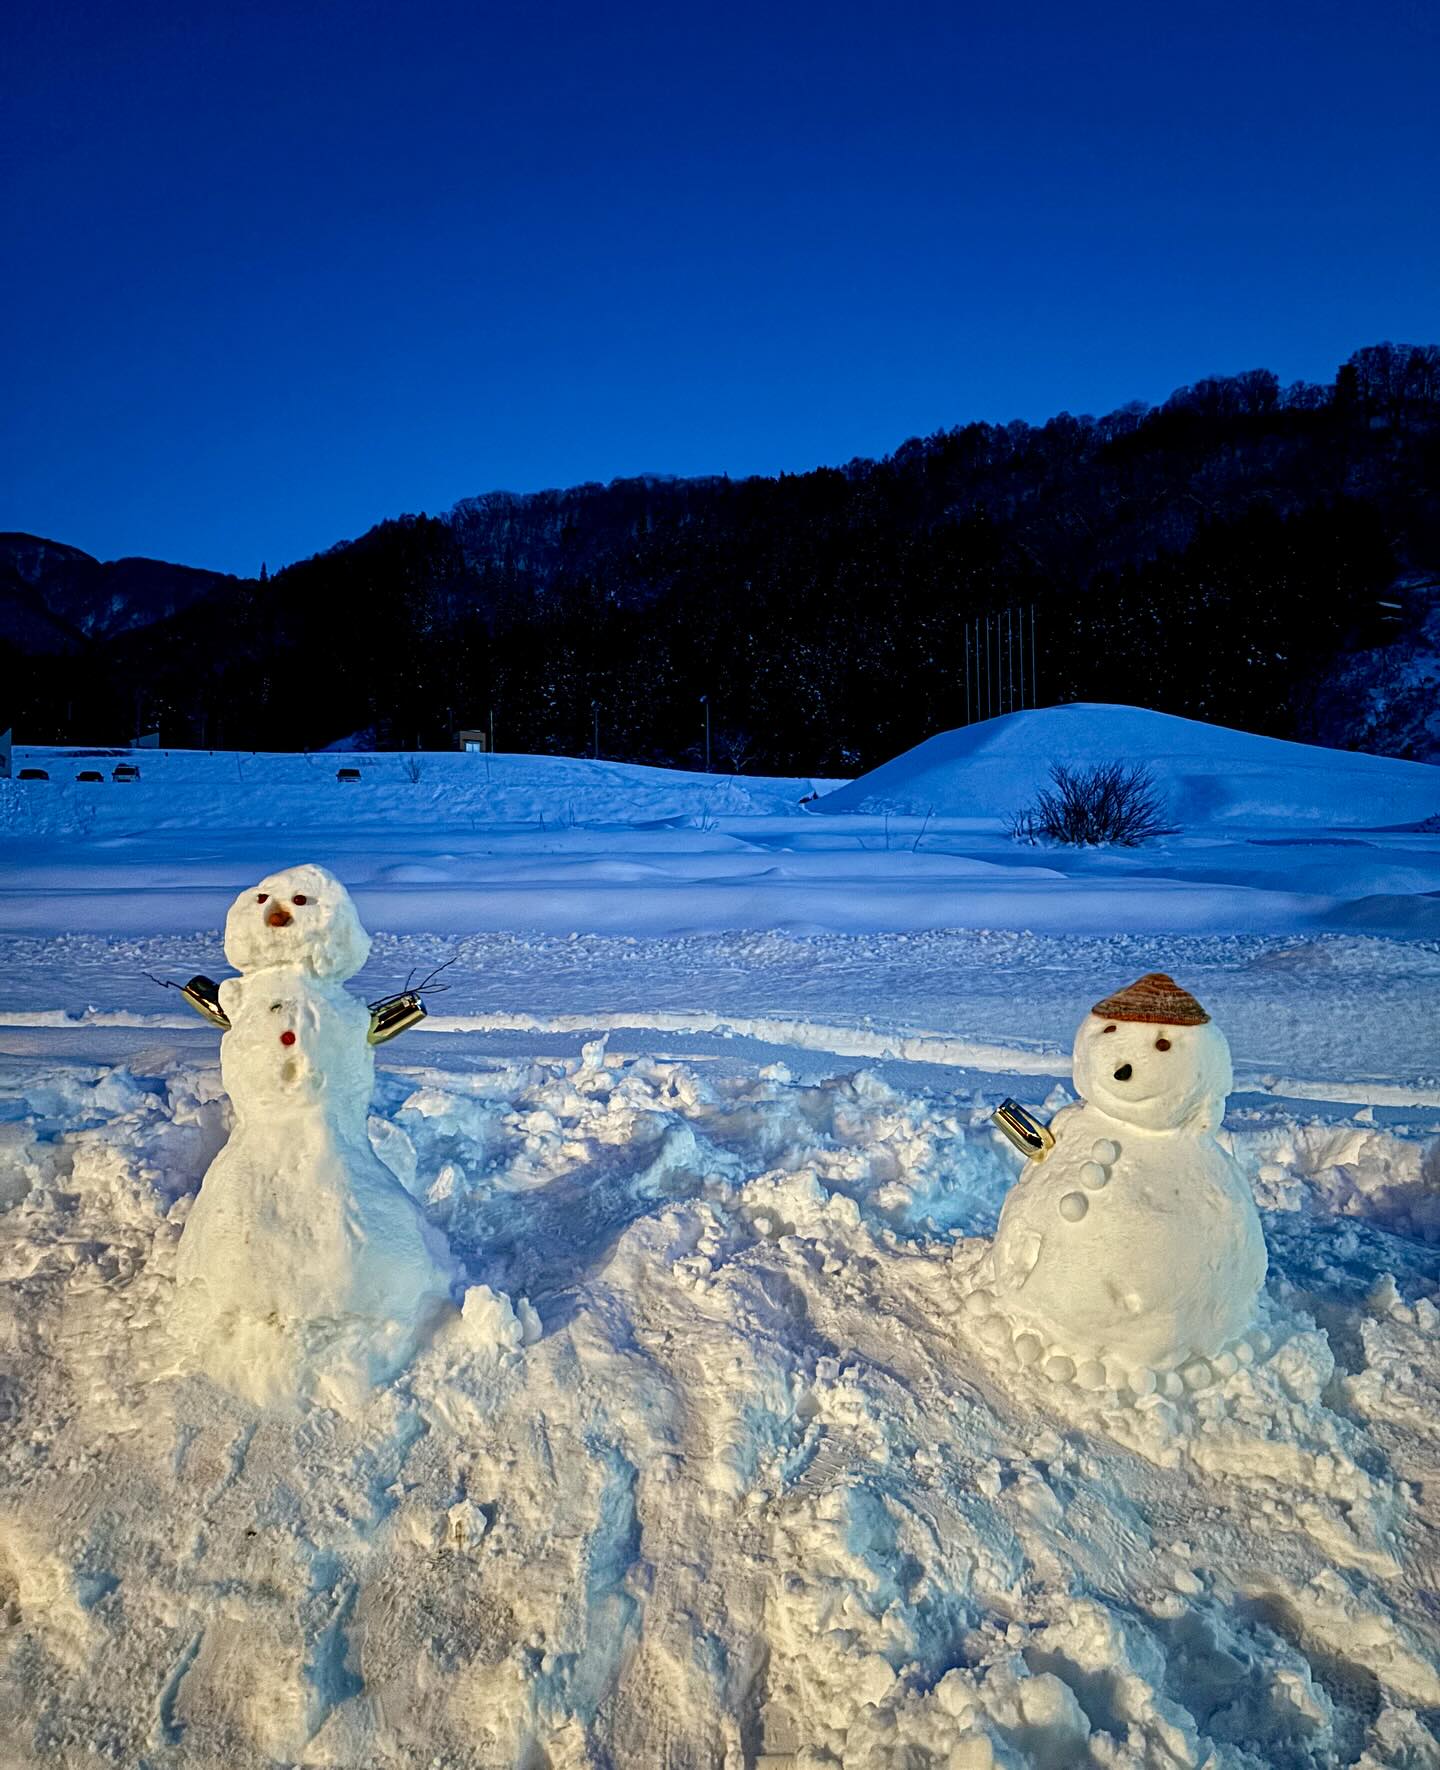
[{"x": 1208, "y": 774}]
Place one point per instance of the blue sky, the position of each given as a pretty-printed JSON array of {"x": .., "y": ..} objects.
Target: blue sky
[{"x": 273, "y": 273}]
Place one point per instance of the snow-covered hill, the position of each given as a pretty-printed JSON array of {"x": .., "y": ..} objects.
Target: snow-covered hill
[
  {"x": 1209, "y": 775},
  {"x": 1387, "y": 698},
  {"x": 225, "y": 789}
]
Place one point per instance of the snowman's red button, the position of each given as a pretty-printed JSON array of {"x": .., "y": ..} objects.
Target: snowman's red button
[{"x": 287, "y": 1038}]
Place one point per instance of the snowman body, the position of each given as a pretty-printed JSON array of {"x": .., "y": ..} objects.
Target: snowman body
[
  {"x": 1135, "y": 1244},
  {"x": 301, "y": 1237}
]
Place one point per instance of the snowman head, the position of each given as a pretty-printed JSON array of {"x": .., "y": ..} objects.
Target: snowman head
[
  {"x": 302, "y": 917},
  {"x": 1151, "y": 1056}
]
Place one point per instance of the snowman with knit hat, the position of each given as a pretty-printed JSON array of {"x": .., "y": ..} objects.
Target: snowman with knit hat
[
  {"x": 304, "y": 1267},
  {"x": 1129, "y": 1252}
]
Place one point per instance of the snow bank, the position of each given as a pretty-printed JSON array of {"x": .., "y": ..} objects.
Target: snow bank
[{"x": 1209, "y": 775}]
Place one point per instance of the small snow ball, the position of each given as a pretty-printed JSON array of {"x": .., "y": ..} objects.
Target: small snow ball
[
  {"x": 301, "y": 917},
  {"x": 1073, "y": 1206}
]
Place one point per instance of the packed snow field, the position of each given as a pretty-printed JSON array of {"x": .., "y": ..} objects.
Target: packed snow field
[{"x": 724, "y": 1461}]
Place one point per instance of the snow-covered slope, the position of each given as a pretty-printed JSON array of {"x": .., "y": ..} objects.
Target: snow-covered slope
[
  {"x": 1209, "y": 775},
  {"x": 1388, "y": 698},
  {"x": 232, "y": 789}
]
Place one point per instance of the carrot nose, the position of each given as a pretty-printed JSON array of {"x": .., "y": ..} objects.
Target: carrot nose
[{"x": 277, "y": 916}]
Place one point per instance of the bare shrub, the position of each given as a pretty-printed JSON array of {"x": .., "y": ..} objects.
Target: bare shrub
[
  {"x": 736, "y": 746},
  {"x": 1111, "y": 803},
  {"x": 412, "y": 768}
]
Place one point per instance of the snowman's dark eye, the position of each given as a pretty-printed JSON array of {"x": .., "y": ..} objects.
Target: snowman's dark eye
[
  {"x": 1104, "y": 1030},
  {"x": 1162, "y": 1044},
  {"x": 299, "y": 898},
  {"x": 262, "y": 897}
]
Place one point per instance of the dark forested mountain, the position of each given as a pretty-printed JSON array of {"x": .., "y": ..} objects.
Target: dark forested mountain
[
  {"x": 1258, "y": 556},
  {"x": 55, "y": 598}
]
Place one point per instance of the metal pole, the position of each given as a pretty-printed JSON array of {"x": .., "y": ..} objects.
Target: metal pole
[
  {"x": 989, "y": 675},
  {"x": 705, "y": 703},
  {"x": 1034, "y": 697},
  {"x": 1020, "y": 628},
  {"x": 595, "y": 709},
  {"x": 992, "y": 663},
  {"x": 967, "y": 672}
]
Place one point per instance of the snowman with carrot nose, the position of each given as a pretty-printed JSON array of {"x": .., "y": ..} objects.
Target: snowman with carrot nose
[{"x": 304, "y": 1263}]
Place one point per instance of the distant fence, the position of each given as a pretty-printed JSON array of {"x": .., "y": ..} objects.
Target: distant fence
[{"x": 1000, "y": 663}]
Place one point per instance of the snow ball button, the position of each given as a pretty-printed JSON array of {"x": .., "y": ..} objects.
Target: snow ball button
[
  {"x": 1104, "y": 1151},
  {"x": 1073, "y": 1206},
  {"x": 1093, "y": 1175}
]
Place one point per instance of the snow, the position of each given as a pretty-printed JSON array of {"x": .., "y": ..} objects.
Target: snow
[
  {"x": 214, "y": 790},
  {"x": 719, "y": 1463},
  {"x": 557, "y": 845},
  {"x": 1208, "y": 774}
]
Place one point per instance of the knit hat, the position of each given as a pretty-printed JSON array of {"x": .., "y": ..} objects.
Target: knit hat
[{"x": 1155, "y": 998}]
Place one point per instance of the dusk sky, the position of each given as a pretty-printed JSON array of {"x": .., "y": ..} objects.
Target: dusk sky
[{"x": 274, "y": 273}]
